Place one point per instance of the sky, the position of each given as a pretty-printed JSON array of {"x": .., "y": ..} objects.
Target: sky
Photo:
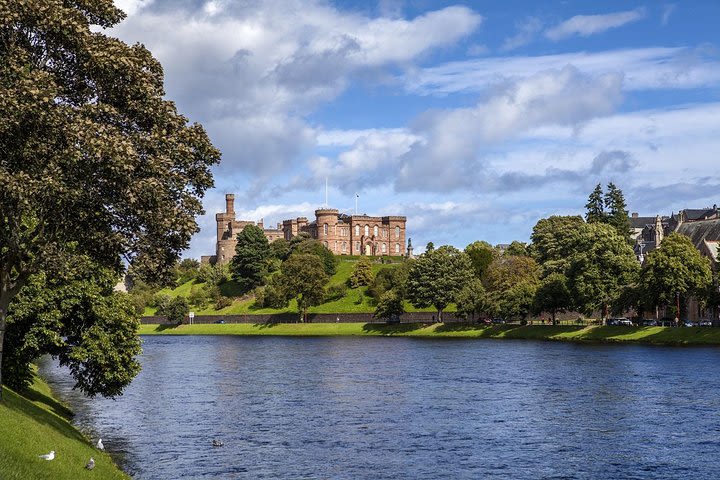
[{"x": 473, "y": 119}]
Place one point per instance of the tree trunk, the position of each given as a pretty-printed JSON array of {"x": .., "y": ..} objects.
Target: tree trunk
[
  {"x": 553, "y": 316},
  {"x": 3, "y": 314},
  {"x": 439, "y": 316}
]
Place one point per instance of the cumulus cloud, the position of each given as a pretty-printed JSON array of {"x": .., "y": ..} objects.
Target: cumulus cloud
[
  {"x": 612, "y": 162},
  {"x": 253, "y": 71},
  {"x": 586, "y": 25},
  {"x": 449, "y": 158}
]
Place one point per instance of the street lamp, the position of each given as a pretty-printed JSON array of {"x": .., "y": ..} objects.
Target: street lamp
[{"x": 677, "y": 306}]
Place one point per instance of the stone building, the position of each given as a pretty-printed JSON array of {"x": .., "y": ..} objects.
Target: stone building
[{"x": 342, "y": 234}]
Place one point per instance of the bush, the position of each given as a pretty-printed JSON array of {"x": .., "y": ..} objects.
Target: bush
[
  {"x": 362, "y": 275},
  {"x": 335, "y": 292},
  {"x": 199, "y": 296},
  {"x": 222, "y": 302},
  {"x": 175, "y": 310}
]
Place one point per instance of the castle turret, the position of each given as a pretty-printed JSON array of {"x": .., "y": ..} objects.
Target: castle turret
[{"x": 659, "y": 233}]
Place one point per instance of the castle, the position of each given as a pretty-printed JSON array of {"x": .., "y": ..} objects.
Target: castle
[{"x": 342, "y": 234}]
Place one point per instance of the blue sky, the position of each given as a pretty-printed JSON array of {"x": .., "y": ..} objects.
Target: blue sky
[{"x": 473, "y": 119}]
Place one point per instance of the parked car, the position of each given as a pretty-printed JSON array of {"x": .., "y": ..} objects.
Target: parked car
[
  {"x": 649, "y": 323},
  {"x": 666, "y": 322},
  {"x": 705, "y": 323},
  {"x": 220, "y": 321},
  {"x": 498, "y": 321},
  {"x": 688, "y": 323},
  {"x": 619, "y": 321}
]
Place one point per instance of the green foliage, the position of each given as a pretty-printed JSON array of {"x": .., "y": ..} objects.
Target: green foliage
[
  {"x": 304, "y": 244},
  {"x": 249, "y": 266},
  {"x": 599, "y": 267},
  {"x": 175, "y": 310},
  {"x": 481, "y": 255},
  {"x": 335, "y": 292},
  {"x": 280, "y": 249},
  {"x": 472, "y": 300},
  {"x": 505, "y": 272},
  {"x": 437, "y": 276},
  {"x": 676, "y": 266},
  {"x": 595, "y": 208},
  {"x": 516, "y": 301},
  {"x": 617, "y": 214},
  {"x": 554, "y": 239},
  {"x": 186, "y": 270},
  {"x": 362, "y": 274},
  {"x": 303, "y": 277},
  {"x": 553, "y": 295},
  {"x": 390, "y": 305},
  {"x": 214, "y": 274},
  {"x": 517, "y": 249},
  {"x": 75, "y": 315},
  {"x": 393, "y": 278},
  {"x": 200, "y": 296}
]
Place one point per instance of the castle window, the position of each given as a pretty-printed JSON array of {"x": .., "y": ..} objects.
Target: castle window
[
  {"x": 367, "y": 230},
  {"x": 357, "y": 246},
  {"x": 344, "y": 246},
  {"x": 326, "y": 244},
  {"x": 325, "y": 228},
  {"x": 397, "y": 248},
  {"x": 375, "y": 230},
  {"x": 384, "y": 248},
  {"x": 357, "y": 230},
  {"x": 397, "y": 232}
]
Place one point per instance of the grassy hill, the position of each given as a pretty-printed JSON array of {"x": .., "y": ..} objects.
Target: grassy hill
[
  {"x": 354, "y": 301},
  {"x": 35, "y": 423}
]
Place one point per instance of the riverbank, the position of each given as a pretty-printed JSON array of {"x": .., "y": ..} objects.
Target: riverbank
[
  {"x": 570, "y": 333},
  {"x": 36, "y": 423}
]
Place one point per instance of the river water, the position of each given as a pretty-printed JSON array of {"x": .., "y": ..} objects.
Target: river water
[{"x": 355, "y": 408}]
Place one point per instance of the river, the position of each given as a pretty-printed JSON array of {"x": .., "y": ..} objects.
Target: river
[{"x": 355, "y": 408}]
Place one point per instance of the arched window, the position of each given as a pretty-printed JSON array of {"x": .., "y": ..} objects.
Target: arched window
[
  {"x": 397, "y": 248},
  {"x": 375, "y": 230},
  {"x": 367, "y": 230},
  {"x": 326, "y": 245},
  {"x": 384, "y": 248},
  {"x": 397, "y": 232},
  {"x": 325, "y": 228},
  {"x": 344, "y": 246},
  {"x": 357, "y": 248},
  {"x": 357, "y": 230}
]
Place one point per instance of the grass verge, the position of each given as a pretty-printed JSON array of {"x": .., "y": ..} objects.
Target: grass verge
[
  {"x": 35, "y": 423},
  {"x": 653, "y": 335}
]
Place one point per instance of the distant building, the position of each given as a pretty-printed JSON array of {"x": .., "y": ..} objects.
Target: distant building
[
  {"x": 702, "y": 226},
  {"x": 342, "y": 234}
]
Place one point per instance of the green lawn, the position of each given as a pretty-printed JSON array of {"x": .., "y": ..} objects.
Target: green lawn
[
  {"x": 655, "y": 335},
  {"x": 347, "y": 304},
  {"x": 35, "y": 423}
]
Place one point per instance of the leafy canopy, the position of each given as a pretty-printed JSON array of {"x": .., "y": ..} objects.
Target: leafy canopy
[{"x": 249, "y": 266}]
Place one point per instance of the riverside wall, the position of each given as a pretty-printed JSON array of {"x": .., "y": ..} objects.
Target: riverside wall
[{"x": 409, "y": 317}]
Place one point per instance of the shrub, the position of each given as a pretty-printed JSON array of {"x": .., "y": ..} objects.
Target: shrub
[
  {"x": 175, "y": 310},
  {"x": 335, "y": 292},
  {"x": 222, "y": 302}
]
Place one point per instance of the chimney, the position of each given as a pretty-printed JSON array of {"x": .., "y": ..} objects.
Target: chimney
[
  {"x": 634, "y": 215},
  {"x": 229, "y": 203}
]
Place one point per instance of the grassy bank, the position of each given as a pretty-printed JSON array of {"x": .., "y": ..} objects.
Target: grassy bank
[
  {"x": 35, "y": 423},
  {"x": 653, "y": 335}
]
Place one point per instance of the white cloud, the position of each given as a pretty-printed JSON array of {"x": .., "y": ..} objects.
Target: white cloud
[
  {"x": 130, "y": 7},
  {"x": 526, "y": 31},
  {"x": 643, "y": 69},
  {"x": 586, "y": 25},
  {"x": 252, "y": 72},
  {"x": 667, "y": 12}
]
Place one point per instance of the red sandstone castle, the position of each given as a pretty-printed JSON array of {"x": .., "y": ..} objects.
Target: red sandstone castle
[{"x": 342, "y": 234}]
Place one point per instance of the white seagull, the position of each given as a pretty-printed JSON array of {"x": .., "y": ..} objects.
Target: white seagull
[
  {"x": 100, "y": 445},
  {"x": 48, "y": 456},
  {"x": 91, "y": 464}
]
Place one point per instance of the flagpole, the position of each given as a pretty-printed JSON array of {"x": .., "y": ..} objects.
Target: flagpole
[
  {"x": 326, "y": 193},
  {"x": 356, "y": 197}
]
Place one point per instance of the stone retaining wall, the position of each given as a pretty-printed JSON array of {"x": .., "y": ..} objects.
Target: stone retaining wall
[{"x": 410, "y": 317}]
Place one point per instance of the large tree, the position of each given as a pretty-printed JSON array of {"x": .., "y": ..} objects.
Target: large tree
[
  {"x": 595, "y": 207},
  {"x": 617, "y": 214},
  {"x": 553, "y": 295},
  {"x": 73, "y": 314},
  {"x": 511, "y": 282},
  {"x": 94, "y": 161},
  {"x": 554, "y": 239},
  {"x": 481, "y": 255},
  {"x": 249, "y": 265},
  {"x": 472, "y": 300},
  {"x": 303, "y": 277},
  {"x": 675, "y": 268},
  {"x": 437, "y": 276}
]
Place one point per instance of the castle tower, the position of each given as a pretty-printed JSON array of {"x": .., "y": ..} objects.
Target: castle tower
[
  {"x": 225, "y": 248},
  {"x": 326, "y": 220}
]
